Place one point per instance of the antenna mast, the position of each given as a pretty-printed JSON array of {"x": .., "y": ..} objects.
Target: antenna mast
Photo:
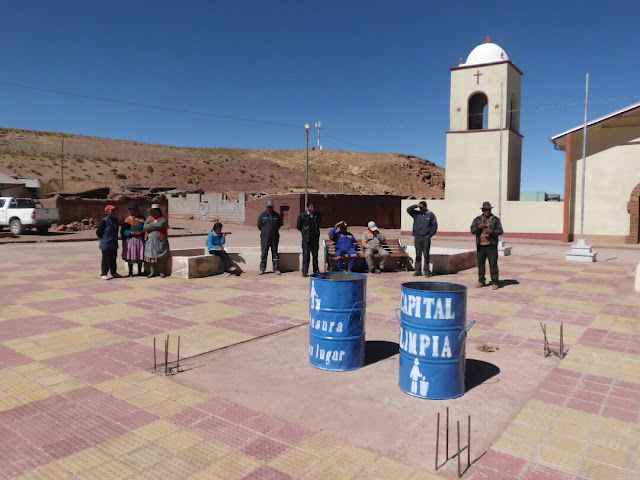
[{"x": 319, "y": 126}]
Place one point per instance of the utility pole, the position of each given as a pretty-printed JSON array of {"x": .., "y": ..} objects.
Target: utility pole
[{"x": 62, "y": 166}]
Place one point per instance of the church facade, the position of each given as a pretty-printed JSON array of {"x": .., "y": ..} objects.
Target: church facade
[{"x": 484, "y": 157}]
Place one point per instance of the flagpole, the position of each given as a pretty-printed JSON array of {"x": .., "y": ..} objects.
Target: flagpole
[{"x": 584, "y": 156}]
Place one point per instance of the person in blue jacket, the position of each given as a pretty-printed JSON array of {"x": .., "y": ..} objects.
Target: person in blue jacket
[
  {"x": 108, "y": 234},
  {"x": 215, "y": 246},
  {"x": 345, "y": 245}
]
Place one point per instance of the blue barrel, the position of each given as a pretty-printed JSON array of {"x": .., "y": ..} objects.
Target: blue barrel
[
  {"x": 336, "y": 320},
  {"x": 432, "y": 339}
]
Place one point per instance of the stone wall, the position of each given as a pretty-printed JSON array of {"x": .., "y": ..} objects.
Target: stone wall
[{"x": 210, "y": 207}]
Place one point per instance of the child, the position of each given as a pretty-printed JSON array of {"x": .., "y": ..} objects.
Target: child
[{"x": 215, "y": 246}]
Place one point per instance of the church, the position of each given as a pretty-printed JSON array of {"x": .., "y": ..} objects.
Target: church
[{"x": 484, "y": 158}]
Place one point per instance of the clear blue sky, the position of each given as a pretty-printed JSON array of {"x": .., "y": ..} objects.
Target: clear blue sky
[{"x": 250, "y": 74}]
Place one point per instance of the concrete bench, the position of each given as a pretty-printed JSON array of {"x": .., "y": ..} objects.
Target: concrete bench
[
  {"x": 447, "y": 260},
  {"x": 198, "y": 263}
]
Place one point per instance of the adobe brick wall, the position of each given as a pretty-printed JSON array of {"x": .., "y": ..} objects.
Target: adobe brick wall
[
  {"x": 354, "y": 209},
  {"x": 213, "y": 206},
  {"x": 74, "y": 209}
]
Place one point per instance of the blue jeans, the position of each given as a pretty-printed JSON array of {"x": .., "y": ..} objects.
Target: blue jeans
[{"x": 340, "y": 252}]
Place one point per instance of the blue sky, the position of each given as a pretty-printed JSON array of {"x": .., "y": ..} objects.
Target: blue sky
[{"x": 250, "y": 74}]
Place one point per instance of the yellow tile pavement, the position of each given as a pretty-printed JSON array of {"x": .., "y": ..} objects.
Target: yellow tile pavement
[
  {"x": 295, "y": 462},
  {"x": 234, "y": 466},
  {"x": 103, "y": 313}
]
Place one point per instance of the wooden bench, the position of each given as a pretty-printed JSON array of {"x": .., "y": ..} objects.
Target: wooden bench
[{"x": 396, "y": 260}]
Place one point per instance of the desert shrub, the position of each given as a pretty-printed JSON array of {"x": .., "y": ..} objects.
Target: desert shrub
[
  {"x": 150, "y": 169},
  {"x": 121, "y": 176}
]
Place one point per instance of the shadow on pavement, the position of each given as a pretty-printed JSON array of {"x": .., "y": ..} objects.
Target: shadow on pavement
[
  {"x": 376, "y": 350},
  {"x": 477, "y": 372},
  {"x": 506, "y": 283}
]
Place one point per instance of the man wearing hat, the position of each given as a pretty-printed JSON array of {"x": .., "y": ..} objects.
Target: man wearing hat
[
  {"x": 372, "y": 241},
  {"x": 108, "y": 234},
  {"x": 487, "y": 229},
  {"x": 269, "y": 225},
  {"x": 425, "y": 226}
]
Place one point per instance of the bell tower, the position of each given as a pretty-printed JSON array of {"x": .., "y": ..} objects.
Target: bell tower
[{"x": 485, "y": 97}]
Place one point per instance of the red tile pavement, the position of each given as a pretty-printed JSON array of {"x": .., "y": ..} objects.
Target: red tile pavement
[
  {"x": 164, "y": 302},
  {"x": 507, "y": 465},
  {"x": 68, "y": 304},
  {"x": 11, "y": 358},
  {"x": 258, "y": 302},
  {"x": 30, "y": 326},
  {"x": 138, "y": 327},
  {"x": 265, "y": 449},
  {"x": 91, "y": 366},
  {"x": 257, "y": 287},
  {"x": 257, "y": 325},
  {"x": 234, "y": 436},
  {"x": 540, "y": 472},
  {"x": 189, "y": 417}
]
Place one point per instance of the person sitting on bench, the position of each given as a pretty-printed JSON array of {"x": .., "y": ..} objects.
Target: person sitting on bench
[
  {"x": 372, "y": 241},
  {"x": 345, "y": 242},
  {"x": 215, "y": 246}
]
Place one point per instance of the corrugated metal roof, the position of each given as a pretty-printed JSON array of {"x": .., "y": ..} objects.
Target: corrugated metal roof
[
  {"x": 7, "y": 180},
  {"x": 596, "y": 121}
]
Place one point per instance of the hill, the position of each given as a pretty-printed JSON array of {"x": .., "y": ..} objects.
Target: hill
[{"x": 91, "y": 162}]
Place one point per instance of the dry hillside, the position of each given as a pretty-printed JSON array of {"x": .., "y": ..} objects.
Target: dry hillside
[{"x": 91, "y": 162}]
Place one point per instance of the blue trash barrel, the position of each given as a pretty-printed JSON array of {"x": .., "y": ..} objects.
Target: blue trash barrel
[
  {"x": 336, "y": 320},
  {"x": 432, "y": 339}
]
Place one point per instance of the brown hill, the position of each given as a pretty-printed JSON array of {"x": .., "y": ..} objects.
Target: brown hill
[{"x": 93, "y": 162}]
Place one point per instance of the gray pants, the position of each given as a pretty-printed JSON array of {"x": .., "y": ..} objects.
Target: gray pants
[
  {"x": 423, "y": 246},
  {"x": 368, "y": 256},
  {"x": 266, "y": 243}
]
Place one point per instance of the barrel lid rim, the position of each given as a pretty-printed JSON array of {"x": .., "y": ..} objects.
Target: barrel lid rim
[
  {"x": 461, "y": 288},
  {"x": 321, "y": 276}
]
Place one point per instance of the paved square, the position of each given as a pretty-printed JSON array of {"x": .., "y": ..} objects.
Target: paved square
[{"x": 78, "y": 398}]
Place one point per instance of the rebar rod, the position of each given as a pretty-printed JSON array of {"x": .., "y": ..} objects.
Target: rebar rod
[
  {"x": 447, "y": 450},
  {"x": 468, "y": 441},
  {"x": 178, "y": 361},
  {"x": 155, "y": 364},
  {"x": 459, "y": 472},
  {"x": 437, "y": 439}
]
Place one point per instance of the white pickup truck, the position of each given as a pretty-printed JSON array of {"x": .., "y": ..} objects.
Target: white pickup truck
[{"x": 21, "y": 214}]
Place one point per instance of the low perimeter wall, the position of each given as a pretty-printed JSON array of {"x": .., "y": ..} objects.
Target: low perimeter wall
[{"x": 74, "y": 209}]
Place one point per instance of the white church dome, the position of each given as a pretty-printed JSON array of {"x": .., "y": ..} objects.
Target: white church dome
[{"x": 486, "y": 52}]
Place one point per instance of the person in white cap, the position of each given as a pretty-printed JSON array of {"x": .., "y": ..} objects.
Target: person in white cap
[{"x": 372, "y": 241}]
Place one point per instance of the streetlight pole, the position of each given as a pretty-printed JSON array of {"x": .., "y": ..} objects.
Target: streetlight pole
[{"x": 306, "y": 169}]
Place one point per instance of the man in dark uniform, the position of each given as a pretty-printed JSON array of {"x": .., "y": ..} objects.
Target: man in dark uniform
[
  {"x": 309, "y": 226},
  {"x": 269, "y": 225},
  {"x": 425, "y": 227},
  {"x": 487, "y": 229}
]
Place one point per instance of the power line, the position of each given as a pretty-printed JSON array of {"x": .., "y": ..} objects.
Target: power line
[{"x": 155, "y": 107}]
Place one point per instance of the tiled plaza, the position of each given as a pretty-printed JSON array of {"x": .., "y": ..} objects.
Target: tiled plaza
[{"x": 78, "y": 398}]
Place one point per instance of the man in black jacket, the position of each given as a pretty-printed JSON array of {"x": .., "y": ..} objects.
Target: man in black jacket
[
  {"x": 269, "y": 225},
  {"x": 425, "y": 226},
  {"x": 309, "y": 226},
  {"x": 487, "y": 228}
]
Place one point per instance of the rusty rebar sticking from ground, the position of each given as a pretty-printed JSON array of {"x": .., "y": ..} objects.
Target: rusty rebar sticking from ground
[
  {"x": 561, "y": 341},
  {"x": 155, "y": 364},
  {"x": 459, "y": 471},
  {"x": 447, "y": 449},
  {"x": 178, "y": 361},
  {"x": 546, "y": 342},
  {"x": 468, "y": 441},
  {"x": 437, "y": 439},
  {"x": 166, "y": 355}
]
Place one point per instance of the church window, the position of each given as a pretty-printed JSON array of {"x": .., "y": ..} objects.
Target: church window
[
  {"x": 514, "y": 114},
  {"x": 478, "y": 111}
]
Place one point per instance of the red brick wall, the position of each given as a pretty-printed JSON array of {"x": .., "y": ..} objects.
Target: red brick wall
[
  {"x": 73, "y": 208},
  {"x": 354, "y": 209}
]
